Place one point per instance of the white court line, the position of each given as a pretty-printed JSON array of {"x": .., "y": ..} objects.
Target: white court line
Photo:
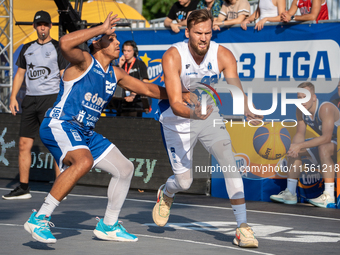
[
  {"x": 199, "y": 206},
  {"x": 225, "y": 208},
  {"x": 164, "y": 238},
  {"x": 209, "y": 244}
]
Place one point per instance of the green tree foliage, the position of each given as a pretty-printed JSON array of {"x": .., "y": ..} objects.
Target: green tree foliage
[{"x": 153, "y": 9}]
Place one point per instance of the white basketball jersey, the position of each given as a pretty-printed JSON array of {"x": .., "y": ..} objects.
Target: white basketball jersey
[{"x": 206, "y": 72}]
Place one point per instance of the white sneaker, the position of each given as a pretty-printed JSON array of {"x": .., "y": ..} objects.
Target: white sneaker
[
  {"x": 323, "y": 200},
  {"x": 161, "y": 210},
  {"x": 245, "y": 237},
  {"x": 285, "y": 197}
]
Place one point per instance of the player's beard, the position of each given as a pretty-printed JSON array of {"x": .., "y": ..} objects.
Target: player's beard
[{"x": 198, "y": 51}]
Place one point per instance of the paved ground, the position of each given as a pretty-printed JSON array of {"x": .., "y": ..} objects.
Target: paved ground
[{"x": 198, "y": 225}]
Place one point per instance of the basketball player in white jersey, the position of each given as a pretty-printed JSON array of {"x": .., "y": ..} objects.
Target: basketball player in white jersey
[{"x": 182, "y": 126}]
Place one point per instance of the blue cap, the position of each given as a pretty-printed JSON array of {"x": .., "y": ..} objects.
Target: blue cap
[{"x": 96, "y": 38}]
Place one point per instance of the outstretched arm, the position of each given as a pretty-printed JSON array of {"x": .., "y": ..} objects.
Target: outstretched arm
[{"x": 130, "y": 83}]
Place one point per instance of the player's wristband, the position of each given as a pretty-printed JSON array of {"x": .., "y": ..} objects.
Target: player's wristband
[{"x": 292, "y": 17}]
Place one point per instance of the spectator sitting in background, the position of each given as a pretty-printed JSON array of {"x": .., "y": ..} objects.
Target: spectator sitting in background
[
  {"x": 316, "y": 10},
  {"x": 179, "y": 12},
  {"x": 232, "y": 12},
  {"x": 213, "y": 5},
  {"x": 266, "y": 11}
]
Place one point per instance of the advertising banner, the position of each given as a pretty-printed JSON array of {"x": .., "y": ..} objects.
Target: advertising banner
[
  {"x": 277, "y": 57},
  {"x": 139, "y": 140}
]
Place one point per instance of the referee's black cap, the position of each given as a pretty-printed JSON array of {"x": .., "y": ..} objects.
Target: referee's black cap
[{"x": 42, "y": 16}]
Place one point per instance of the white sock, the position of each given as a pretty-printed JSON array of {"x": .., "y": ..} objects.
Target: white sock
[
  {"x": 48, "y": 206},
  {"x": 111, "y": 216},
  {"x": 240, "y": 213},
  {"x": 291, "y": 185},
  {"x": 167, "y": 193},
  {"x": 329, "y": 187}
]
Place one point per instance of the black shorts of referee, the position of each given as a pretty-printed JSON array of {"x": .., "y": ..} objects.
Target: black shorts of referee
[{"x": 33, "y": 112}]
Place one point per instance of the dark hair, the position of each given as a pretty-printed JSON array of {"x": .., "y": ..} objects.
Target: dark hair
[
  {"x": 198, "y": 16},
  {"x": 134, "y": 46},
  {"x": 228, "y": 1},
  {"x": 91, "y": 45}
]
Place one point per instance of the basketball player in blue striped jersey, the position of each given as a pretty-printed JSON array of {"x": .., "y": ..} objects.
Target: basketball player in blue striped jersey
[
  {"x": 321, "y": 150},
  {"x": 199, "y": 58},
  {"x": 87, "y": 85}
]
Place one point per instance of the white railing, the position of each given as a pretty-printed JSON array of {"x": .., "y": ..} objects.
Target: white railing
[
  {"x": 157, "y": 22},
  {"x": 134, "y": 23}
]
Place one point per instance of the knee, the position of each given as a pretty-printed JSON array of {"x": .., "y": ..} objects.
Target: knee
[
  {"x": 326, "y": 150},
  {"x": 82, "y": 165},
  {"x": 24, "y": 145},
  {"x": 128, "y": 170},
  {"x": 85, "y": 163},
  {"x": 184, "y": 183}
]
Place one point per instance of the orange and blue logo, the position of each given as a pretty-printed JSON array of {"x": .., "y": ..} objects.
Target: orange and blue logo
[{"x": 154, "y": 69}]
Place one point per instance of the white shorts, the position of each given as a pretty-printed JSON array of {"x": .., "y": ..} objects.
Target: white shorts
[{"x": 180, "y": 140}]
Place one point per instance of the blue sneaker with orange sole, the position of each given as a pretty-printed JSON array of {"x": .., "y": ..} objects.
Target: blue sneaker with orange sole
[
  {"x": 114, "y": 232},
  {"x": 39, "y": 228}
]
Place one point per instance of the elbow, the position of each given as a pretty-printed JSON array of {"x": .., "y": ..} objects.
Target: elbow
[
  {"x": 315, "y": 17},
  {"x": 325, "y": 139},
  {"x": 310, "y": 17},
  {"x": 175, "y": 111},
  {"x": 63, "y": 43},
  {"x": 177, "y": 114}
]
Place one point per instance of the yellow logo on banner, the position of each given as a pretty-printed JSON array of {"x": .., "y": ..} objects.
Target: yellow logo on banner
[{"x": 155, "y": 71}]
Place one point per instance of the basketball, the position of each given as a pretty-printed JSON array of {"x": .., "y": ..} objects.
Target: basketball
[{"x": 271, "y": 142}]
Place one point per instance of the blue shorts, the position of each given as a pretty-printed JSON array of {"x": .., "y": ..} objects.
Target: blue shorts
[{"x": 60, "y": 137}]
